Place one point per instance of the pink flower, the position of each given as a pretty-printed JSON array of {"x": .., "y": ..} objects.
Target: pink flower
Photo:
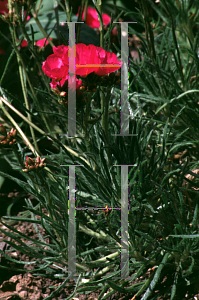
[
  {"x": 88, "y": 59},
  {"x": 92, "y": 19},
  {"x": 41, "y": 43},
  {"x": 4, "y": 7},
  {"x": 24, "y": 43},
  {"x": 95, "y": 59}
]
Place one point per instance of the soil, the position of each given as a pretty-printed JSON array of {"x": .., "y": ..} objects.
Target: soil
[{"x": 23, "y": 285}]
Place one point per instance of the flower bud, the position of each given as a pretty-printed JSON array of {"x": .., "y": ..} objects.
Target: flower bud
[
  {"x": 30, "y": 161},
  {"x": 13, "y": 132},
  {"x": 4, "y": 142},
  {"x": 82, "y": 88},
  {"x": 37, "y": 160}
]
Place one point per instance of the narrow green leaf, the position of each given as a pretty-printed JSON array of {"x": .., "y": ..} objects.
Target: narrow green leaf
[
  {"x": 155, "y": 278},
  {"x": 116, "y": 287}
]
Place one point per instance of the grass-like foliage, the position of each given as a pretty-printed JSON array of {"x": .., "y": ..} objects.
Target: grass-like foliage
[{"x": 163, "y": 152}]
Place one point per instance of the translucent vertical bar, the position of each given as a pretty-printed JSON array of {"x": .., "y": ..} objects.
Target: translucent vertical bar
[
  {"x": 72, "y": 82},
  {"x": 124, "y": 223},
  {"x": 124, "y": 80},
  {"x": 72, "y": 224}
]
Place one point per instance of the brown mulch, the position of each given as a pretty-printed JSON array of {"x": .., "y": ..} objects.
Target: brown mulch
[{"x": 24, "y": 285}]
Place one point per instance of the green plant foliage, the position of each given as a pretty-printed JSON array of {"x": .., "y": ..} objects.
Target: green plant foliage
[{"x": 162, "y": 153}]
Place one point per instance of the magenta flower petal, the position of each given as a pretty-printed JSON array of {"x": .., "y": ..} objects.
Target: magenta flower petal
[
  {"x": 87, "y": 59},
  {"x": 95, "y": 59},
  {"x": 92, "y": 19},
  {"x": 54, "y": 67},
  {"x": 41, "y": 43},
  {"x": 60, "y": 50}
]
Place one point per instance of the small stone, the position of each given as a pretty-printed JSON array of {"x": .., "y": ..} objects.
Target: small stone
[
  {"x": 14, "y": 254},
  {"x": 23, "y": 294}
]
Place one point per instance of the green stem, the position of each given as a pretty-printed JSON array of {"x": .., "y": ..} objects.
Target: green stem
[
  {"x": 105, "y": 118},
  {"x": 38, "y": 7},
  {"x": 100, "y": 236},
  {"x": 30, "y": 43},
  {"x": 27, "y": 142},
  {"x": 102, "y": 272},
  {"x": 51, "y": 209},
  {"x": 14, "y": 148},
  {"x": 85, "y": 15},
  {"x": 80, "y": 20},
  {"x": 27, "y": 77},
  {"x": 41, "y": 28},
  {"x": 10, "y": 8},
  {"x": 25, "y": 94},
  {"x": 91, "y": 221},
  {"x": 176, "y": 43},
  {"x": 178, "y": 52},
  {"x": 151, "y": 44},
  {"x": 88, "y": 107},
  {"x": 86, "y": 116},
  {"x": 149, "y": 32},
  {"x": 5, "y": 69},
  {"x": 41, "y": 131},
  {"x": 22, "y": 116},
  {"x": 67, "y": 11},
  {"x": 111, "y": 230},
  {"x": 99, "y": 6}
]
